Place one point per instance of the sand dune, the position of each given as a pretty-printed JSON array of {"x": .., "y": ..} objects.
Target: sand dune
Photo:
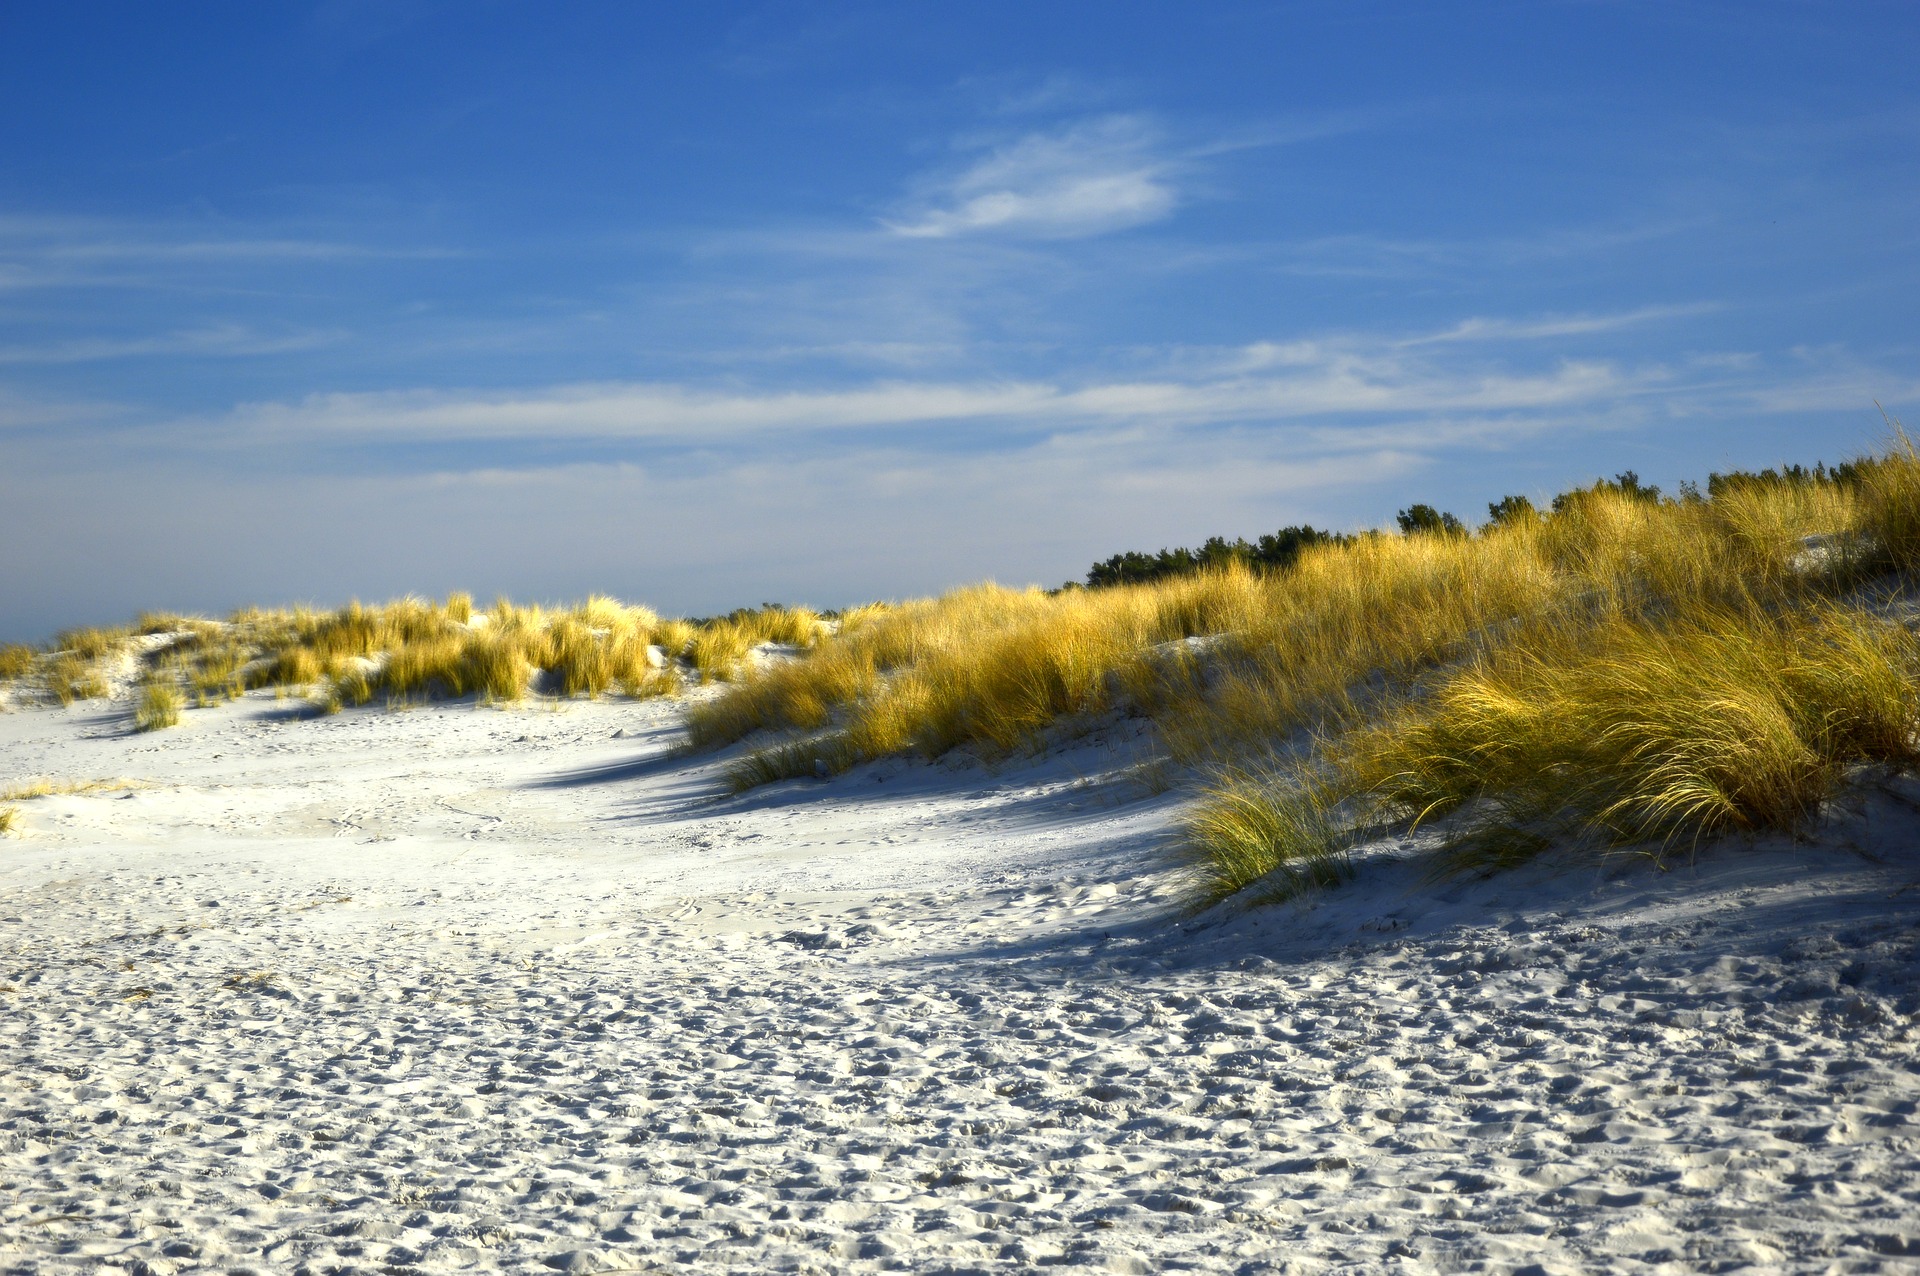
[{"x": 456, "y": 988}]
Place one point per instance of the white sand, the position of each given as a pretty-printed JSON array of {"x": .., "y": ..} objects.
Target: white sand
[{"x": 461, "y": 989}]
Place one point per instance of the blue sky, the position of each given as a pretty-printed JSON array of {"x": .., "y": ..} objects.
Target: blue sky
[{"x": 706, "y": 305}]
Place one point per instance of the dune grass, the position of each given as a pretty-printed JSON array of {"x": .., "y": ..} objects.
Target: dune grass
[
  {"x": 1633, "y": 733},
  {"x": 16, "y": 660},
  {"x": 158, "y": 706},
  {"x": 31, "y": 789},
  {"x": 9, "y": 818},
  {"x": 1618, "y": 669},
  {"x": 415, "y": 649},
  {"x": 986, "y": 666}
]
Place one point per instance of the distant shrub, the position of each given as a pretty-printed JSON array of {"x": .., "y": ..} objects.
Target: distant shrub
[
  {"x": 1625, "y": 484},
  {"x": 1509, "y": 510},
  {"x": 1274, "y": 552},
  {"x": 1424, "y": 520}
]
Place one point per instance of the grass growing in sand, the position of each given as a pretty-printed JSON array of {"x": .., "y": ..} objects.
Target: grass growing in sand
[
  {"x": 9, "y": 818},
  {"x": 55, "y": 788},
  {"x": 15, "y": 660},
  {"x": 159, "y": 706},
  {"x": 413, "y": 649},
  {"x": 1619, "y": 669},
  {"x": 1614, "y": 668}
]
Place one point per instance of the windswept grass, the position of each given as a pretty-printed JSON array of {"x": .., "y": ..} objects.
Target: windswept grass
[
  {"x": 416, "y": 648},
  {"x": 70, "y": 678},
  {"x": 986, "y": 666},
  {"x": 9, "y": 818},
  {"x": 1640, "y": 734},
  {"x": 718, "y": 649},
  {"x": 31, "y": 789},
  {"x": 90, "y": 644},
  {"x": 16, "y": 661},
  {"x": 158, "y": 707},
  {"x": 1277, "y": 831},
  {"x": 1621, "y": 669}
]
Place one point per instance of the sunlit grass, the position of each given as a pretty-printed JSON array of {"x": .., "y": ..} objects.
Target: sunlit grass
[
  {"x": 31, "y": 789},
  {"x": 158, "y": 707},
  {"x": 16, "y": 661},
  {"x": 1619, "y": 670},
  {"x": 1274, "y": 830},
  {"x": 413, "y": 649}
]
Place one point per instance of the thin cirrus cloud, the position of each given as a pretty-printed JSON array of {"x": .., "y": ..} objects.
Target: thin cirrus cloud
[
  {"x": 218, "y": 341},
  {"x": 1094, "y": 177},
  {"x": 51, "y": 252},
  {"x": 1339, "y": 383}
]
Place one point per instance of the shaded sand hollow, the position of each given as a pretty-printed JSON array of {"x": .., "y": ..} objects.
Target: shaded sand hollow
[{"x": 464, "y": 989}]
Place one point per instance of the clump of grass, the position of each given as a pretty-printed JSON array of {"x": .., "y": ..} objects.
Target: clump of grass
[
  {"x": 985, "y": 665},
  {"x": 1889, "y": 494},
  {"x": 9, "y": 818},
  {"x": 159, "y": 707},
  {"x": 48, "y": 788},
  {"x": 1636, "y": 734},
  {"x": 90, "y": 643},
  {"x": 70, "y": 677},
  {"x": 674, "y": 636},
  {"x": 1489, "y": 678},
  {"x": 1275, "y": 835},
  {"x": 16, "y": 661},
  {"x": 1631, "y": 733},
  {"x": 579, "y": 658},
  {"x": 718, "y": 649},
  {"x": 497, "y": 666}
]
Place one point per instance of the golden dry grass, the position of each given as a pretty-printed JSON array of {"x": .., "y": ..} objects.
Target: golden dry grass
[
  {"x": 1611, "y": 600},
  {"x": 16, "y": 661},
  {"x": 9, "y": 818},
  {"x": 415, "y": 648},
  {"x": 51, "y": 788},
  {"x": 158, "y": 707}
]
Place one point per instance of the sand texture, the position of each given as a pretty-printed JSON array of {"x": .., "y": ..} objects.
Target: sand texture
[{"x": 467, "y": 989}]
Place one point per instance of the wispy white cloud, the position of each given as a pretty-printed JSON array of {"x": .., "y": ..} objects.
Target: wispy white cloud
[
  {"x": 688, "y": 416},
  {"x": 1560, "y": 326},
  {"x": 1098, "y": 176},
  {"x": 224, "y": 340},
  {"x": 41, "y": 251},
  {"x": 1320, "y": 389}
]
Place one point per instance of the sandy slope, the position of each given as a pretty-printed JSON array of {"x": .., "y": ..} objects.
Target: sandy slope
[{"x": 457, "y": 988}]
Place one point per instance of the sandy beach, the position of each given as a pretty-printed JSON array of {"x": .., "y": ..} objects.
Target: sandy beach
[{"x": 455, "y": 988}]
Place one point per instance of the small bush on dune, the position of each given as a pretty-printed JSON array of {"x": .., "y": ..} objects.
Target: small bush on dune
[
  {"x": 295, "y": 667},
  {"x": 9, "y": 818}
]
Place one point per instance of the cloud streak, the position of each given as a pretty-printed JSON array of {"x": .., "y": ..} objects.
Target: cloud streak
[
  {"x": 688, "y": 416},
  {"x": 222, "y": 341},
  {"x": 1093, "y": 178}
]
